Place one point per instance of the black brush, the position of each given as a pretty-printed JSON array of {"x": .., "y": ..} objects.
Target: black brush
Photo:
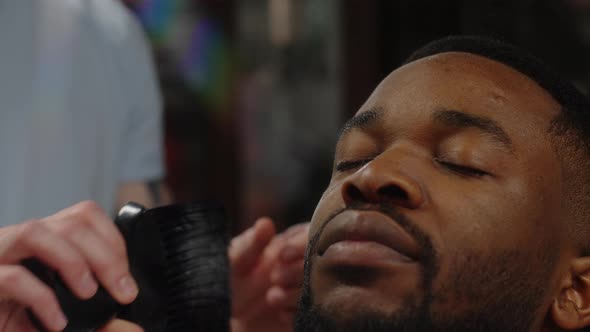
[{"x": 178, "y": 256}]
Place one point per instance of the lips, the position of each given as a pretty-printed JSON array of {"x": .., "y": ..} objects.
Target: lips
[{"x": 370, "y": 229}]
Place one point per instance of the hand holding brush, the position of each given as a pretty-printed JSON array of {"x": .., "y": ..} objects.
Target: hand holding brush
[
  {"x": 83, "y": 245},
  {"x": 175, "y": 256}
]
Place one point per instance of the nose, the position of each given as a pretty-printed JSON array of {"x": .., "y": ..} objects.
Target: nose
[{"x": 381, "y": 181}]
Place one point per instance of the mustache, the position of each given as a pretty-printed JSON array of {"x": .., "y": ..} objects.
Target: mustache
[
  {"x": 421, "y": 237},
  {"x": 428, "y": 255}
]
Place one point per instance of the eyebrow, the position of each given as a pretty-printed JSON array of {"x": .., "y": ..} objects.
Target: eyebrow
[
  {"x": 362, "y": 120},
  {"x": 462, "y": 120}
]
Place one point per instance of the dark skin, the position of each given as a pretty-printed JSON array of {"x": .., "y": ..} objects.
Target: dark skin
[{"x": 447, "y": 197}]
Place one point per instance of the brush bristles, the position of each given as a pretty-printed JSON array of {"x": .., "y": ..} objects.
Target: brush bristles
[{"x": 197, "y": 269}]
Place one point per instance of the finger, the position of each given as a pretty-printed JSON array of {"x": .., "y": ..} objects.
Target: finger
[
  {"x": 35, "y": 239},
  {"x": 118, "y": 325},
  {"x": 288, "y": 275},
  {"x": 19, "y": 320},
  {"x": 295, "y": 229},
  {"x": 295, "y": 245},
  {"x": 285, "y": 299},
  {"x": 110, "y": 267},
  {"x": 19, "y": 285},
  {"x": 90, "y": 229},
  {"x": 284, "y": 236},
  {"x": 246, "y": 248},
  {"x": 96, "y": 218}
]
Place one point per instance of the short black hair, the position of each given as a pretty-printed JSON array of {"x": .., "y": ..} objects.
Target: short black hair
[{"x": 575, "y": 113}]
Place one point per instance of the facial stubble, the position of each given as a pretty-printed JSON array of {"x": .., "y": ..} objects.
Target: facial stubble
[{"x": 482, "y": 292}]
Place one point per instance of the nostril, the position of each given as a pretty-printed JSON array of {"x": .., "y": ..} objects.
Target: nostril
[
  {"x": 354, "y": 194},
  {"x": 393, "y": 193}
]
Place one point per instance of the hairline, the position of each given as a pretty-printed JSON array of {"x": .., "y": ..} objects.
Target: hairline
[{"x": 568, "y": 138}]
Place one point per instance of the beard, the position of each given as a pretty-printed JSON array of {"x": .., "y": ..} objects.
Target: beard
[{"x": 481, "y": 293}]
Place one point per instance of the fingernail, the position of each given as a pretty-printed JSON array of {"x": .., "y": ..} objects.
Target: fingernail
[
  {"x": 88, "y": 284},
  {"x": 275, "y": 295},
  {"x": 60, "y": 321},
  {"x": 249, "y": 234},
  {"x": 127, "y": 286}
]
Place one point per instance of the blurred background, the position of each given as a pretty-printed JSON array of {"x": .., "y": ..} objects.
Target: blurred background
[{"x": 255, "y": 91}]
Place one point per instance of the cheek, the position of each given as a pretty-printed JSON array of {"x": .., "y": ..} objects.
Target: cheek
[
  {"x": 531, "y": 209},
  {"x": 499, "y": 215},
  {"x": 517, "y": 216},
  {"x": 494, "y": 240}
]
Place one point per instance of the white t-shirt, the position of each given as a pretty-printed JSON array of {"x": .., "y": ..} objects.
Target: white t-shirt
[{"x": 80, "y": 110}]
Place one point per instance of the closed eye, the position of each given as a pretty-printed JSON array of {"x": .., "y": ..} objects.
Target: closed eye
[
  {"x": 351, "y": 164},
  {"x": 462, "y": 169}
]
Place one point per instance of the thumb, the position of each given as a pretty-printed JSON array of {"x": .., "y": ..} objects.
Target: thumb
[
  {"x": 246, "y": 248},
  {"x": 118, "y": 325}
]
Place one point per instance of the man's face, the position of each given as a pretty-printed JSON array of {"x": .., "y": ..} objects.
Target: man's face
[{"x": 444, "y": 211}]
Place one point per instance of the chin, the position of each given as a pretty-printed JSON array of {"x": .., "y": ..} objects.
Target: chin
[
  {"x": 348, "y": 289},
  {"x": 353, "y": 309},
  {"x": 381, "y": 295},
  {"x": 346, "y": 302}
]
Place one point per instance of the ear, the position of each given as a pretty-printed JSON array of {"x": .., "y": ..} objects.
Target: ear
[{"x": 571, "y": 307}]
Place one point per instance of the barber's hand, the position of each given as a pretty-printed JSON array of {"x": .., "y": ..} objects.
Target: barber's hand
[
  {"x": 267, "y": 271},
  {"x": 287, "y": 274},
  {"x": 117, "y": 325},
  {"x": 83, "y": 245}
]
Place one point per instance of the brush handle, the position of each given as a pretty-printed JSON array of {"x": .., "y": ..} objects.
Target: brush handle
[{"x": 83, "y": 316}]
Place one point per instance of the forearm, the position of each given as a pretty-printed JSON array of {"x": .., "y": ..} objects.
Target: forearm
[{"x": 149, "y": 194}]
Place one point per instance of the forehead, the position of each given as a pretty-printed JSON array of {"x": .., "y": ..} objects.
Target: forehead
[{"x": 466, "y": 83}]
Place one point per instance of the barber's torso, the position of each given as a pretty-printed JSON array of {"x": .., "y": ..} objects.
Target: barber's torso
[{"x": 62, "y": 111}]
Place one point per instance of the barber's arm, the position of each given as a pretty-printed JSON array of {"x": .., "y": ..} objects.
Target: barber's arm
[
  {"x": 83, "y": 245},
  {"x": 141, "y": 166},
  {"x": 147, "y": 193}
]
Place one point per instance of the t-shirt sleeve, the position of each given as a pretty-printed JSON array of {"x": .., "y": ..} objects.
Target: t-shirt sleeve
[{"x": 142, "y": 157}]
